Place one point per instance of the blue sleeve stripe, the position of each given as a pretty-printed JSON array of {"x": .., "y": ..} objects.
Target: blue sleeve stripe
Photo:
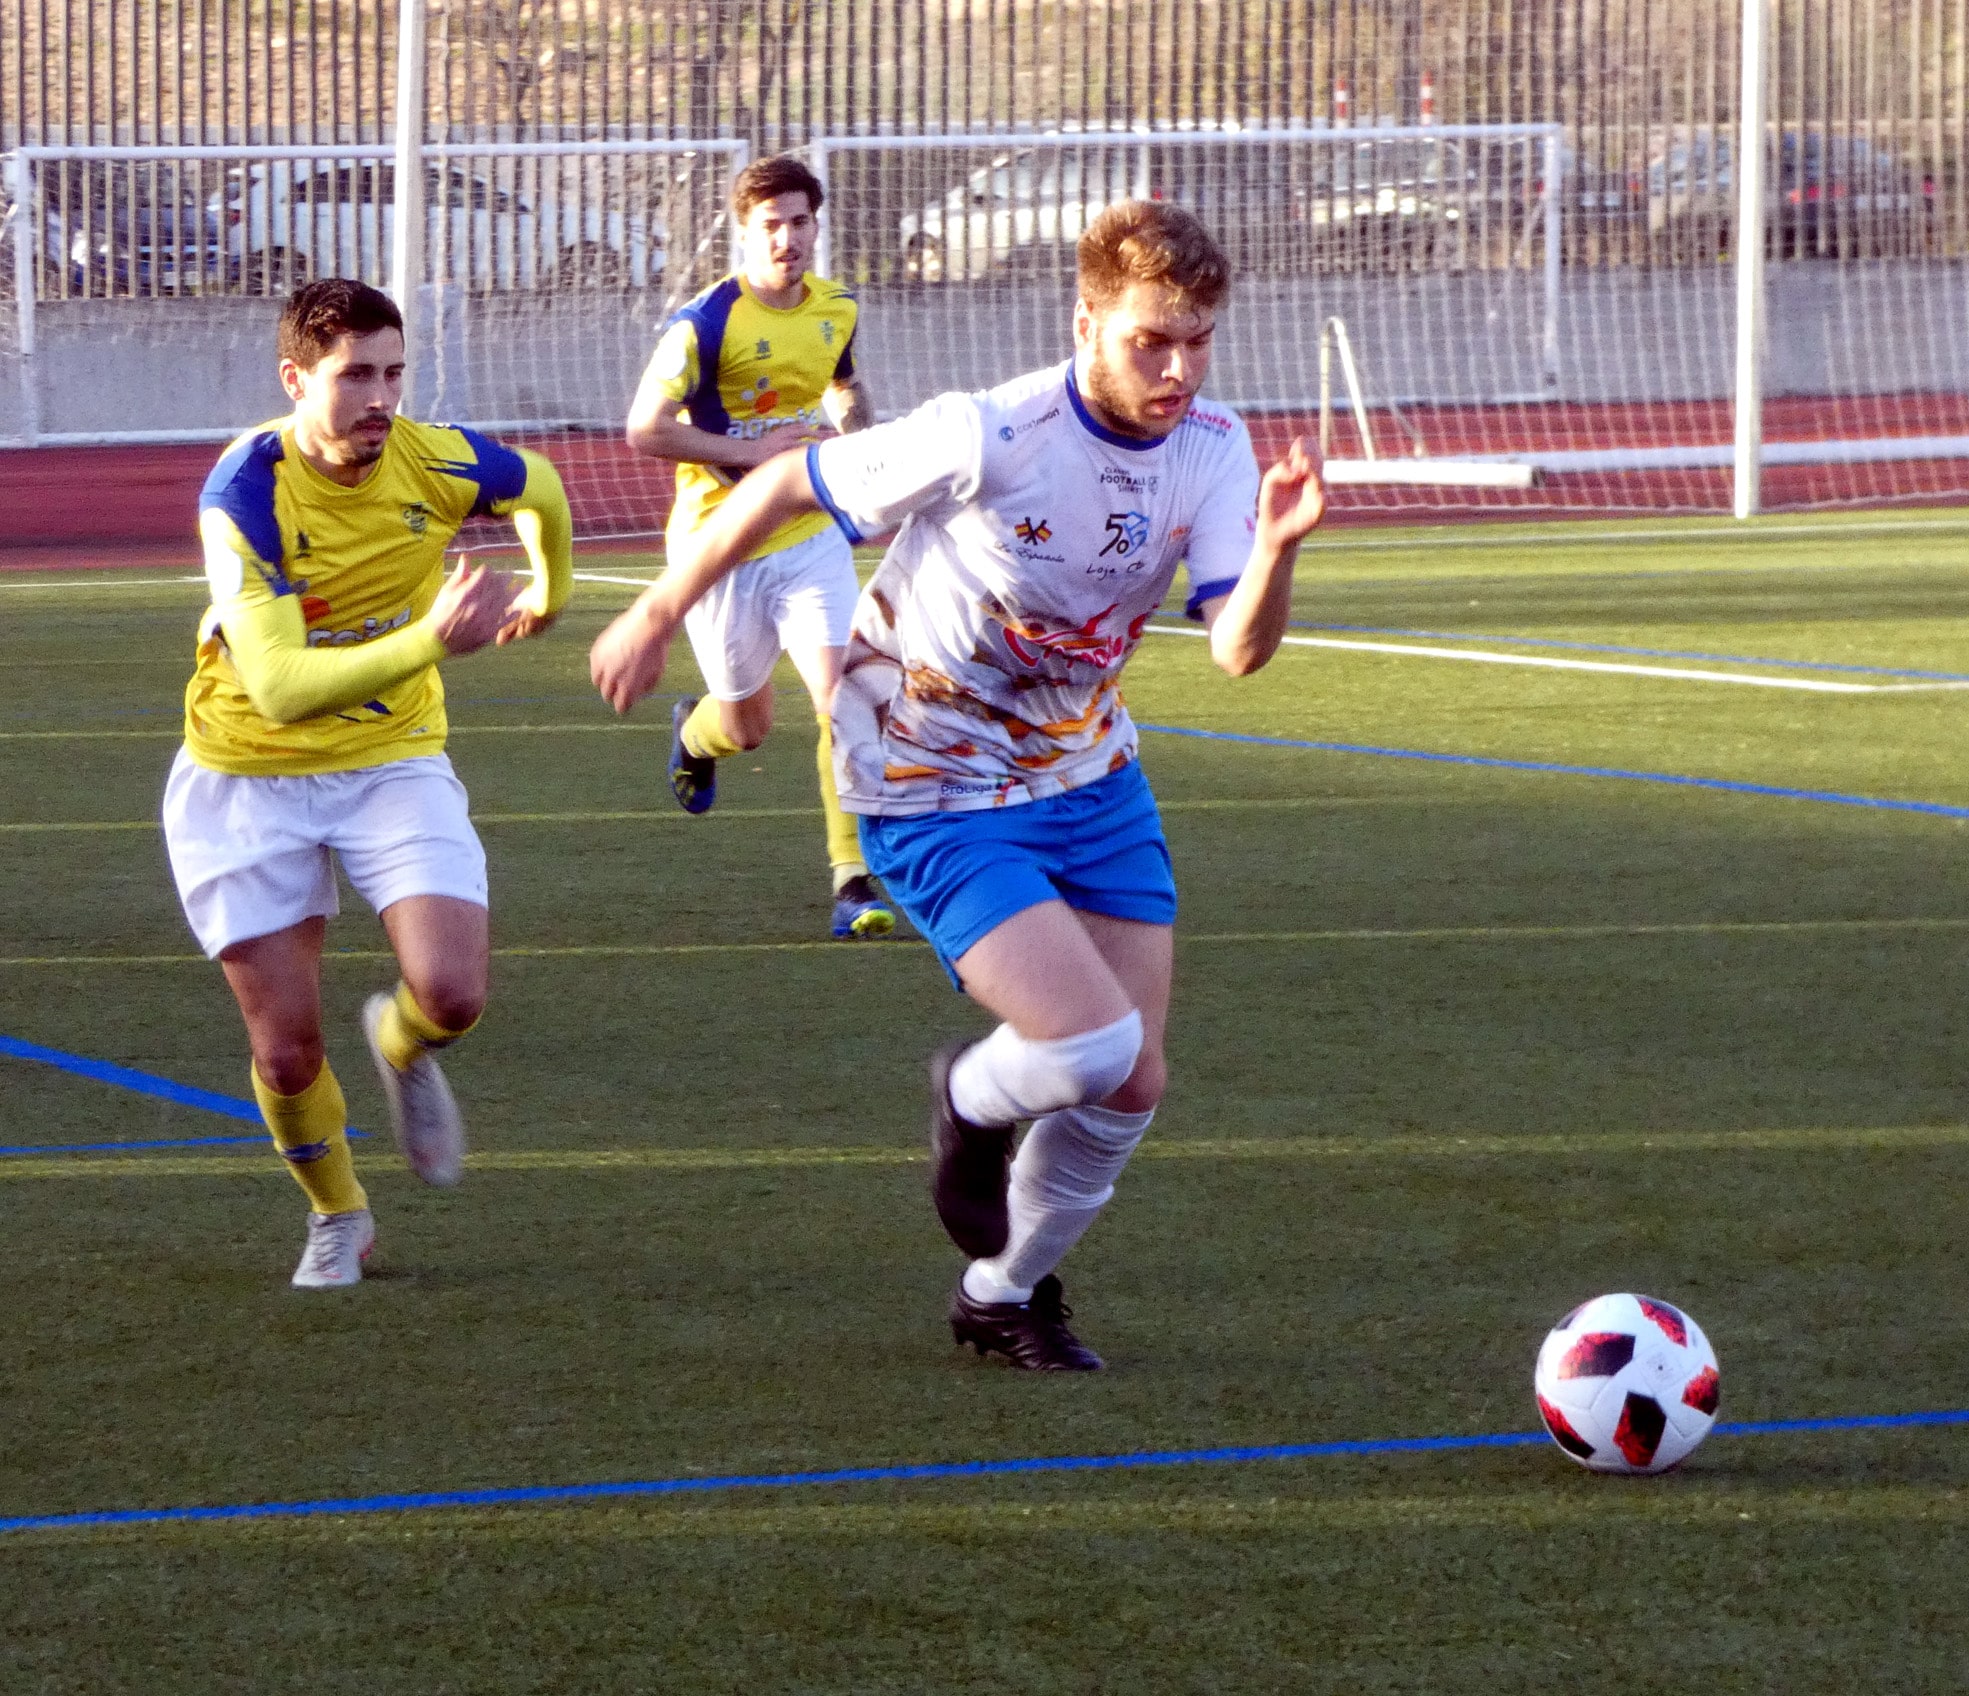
[
  {"x": 1201, "y": 592},
  {"x": 708, "y": 315},
  {"x": 827, "y": 500},
  {"x": 500, "y": 472},
  {"x": 241, "y": 486}
]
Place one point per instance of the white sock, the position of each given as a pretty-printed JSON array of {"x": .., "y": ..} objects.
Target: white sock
[
  {"x": 1008, "y": 1077},
  {"x": 1062, "y": 1177}
]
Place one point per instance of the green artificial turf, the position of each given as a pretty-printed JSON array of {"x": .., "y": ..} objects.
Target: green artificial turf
[{"x": 1455, "y": 1046}]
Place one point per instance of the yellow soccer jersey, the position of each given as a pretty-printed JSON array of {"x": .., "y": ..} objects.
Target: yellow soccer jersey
[
  {"x": 741, "y": 368},
  {"x": 364, "y": 565}
]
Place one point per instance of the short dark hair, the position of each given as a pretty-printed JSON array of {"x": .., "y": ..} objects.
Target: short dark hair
[
  {"x": 317, "y": 314},
  {"x": 1151, "y": 241},
  {"x": 768, "y": 179}
]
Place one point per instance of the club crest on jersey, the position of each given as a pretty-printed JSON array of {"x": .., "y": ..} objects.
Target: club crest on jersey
[
  {"x": 1127, "y": 531},
  {"x": 1028, "y": 531},
  {"x": 764, "y": 349},
  {"x": 1083, "y": 643},
  {"x": 827, "y": 331},
  {"x": 416, "y": 517}
]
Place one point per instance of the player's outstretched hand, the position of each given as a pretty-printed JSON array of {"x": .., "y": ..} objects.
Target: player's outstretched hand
[
  {"x": 627, "y": 659},
  {"x": 474, "y": 604},
  {"x": 1292, "y": 498}
]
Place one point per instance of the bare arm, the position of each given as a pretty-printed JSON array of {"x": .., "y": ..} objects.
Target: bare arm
[
  {"x": 1246, "y": 625},
  {"x": 848, "y": 406},
  {"x": 657, "y": 428},
  {"x": 627, "y": 659}
]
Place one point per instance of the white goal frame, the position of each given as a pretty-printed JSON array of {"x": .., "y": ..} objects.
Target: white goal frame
[
  {"x": 409, "y": 234},
  {"x": 1370, "y": 468}
]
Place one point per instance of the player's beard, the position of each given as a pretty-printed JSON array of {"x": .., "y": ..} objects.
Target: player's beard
[
  {"x": 366, "y": 447},
  {"x": 1105, "y": 390}
]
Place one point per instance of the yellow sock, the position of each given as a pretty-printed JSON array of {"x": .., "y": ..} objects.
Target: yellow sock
[
  {"x": 843, "y": 839},
  {"x": 310, "y": 1130},
  {"x": 404, "y": 1031},
  {"x": 704, "y": 732}
]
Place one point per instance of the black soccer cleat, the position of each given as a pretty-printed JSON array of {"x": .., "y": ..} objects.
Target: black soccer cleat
[
  {"x": 693, "y": 778},
  {"x": 970, "y": 1167},
  {"x": 1031, "y": 1334}
]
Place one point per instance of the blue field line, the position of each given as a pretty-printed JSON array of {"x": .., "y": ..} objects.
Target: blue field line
[
  {"x": 1645, "y": 653},
  {"x": 143, "y": 1083},
  {"x": 1776, "y": 791},
  {"x": 536, "y": 1494}
]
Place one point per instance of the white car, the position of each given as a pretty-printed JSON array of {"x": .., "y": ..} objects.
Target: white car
[
  {"x": 1020, "y": 205},
  {"x": 287, "y": 223}
]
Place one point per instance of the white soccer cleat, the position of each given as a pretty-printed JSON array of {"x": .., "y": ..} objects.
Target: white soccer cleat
[
  {"x": 338, "y": 1244},
  {"x": 429, "y": 1128}
]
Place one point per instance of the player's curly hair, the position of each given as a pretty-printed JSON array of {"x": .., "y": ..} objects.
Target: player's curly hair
[
  {"x": 318, "y": 313},
  {"x": 1150, "y": 241},
  {"x": 768, "y": 179}
]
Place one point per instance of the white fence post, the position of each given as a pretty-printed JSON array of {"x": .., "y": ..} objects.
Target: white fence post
[
  {"x": 27, "y": 231},
  {"x": 407, "y": 224},
  {"x": 1749, "y": 399},
  {"x": 823, "y": 244}
]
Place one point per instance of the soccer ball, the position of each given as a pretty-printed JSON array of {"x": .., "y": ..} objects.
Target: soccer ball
[{"x": 1627, "y": 1384}]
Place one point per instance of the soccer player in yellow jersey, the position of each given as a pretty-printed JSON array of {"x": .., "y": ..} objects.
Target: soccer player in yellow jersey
[
  {"x": 315, "y": 729},
  {"x": 751, "y": 367}
]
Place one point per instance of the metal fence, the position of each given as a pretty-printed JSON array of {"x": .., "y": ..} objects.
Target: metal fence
[{"x": 1869, "y": 98}]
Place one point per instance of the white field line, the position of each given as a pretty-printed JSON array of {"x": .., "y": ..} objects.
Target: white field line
[
  {"x": 1811, "y": 685},
  {"x": 604, "y": 577},
  {"x": 80, "y": 582}
]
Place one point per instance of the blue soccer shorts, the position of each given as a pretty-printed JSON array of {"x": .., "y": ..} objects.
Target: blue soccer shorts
[{"x": 959, "y": 876}]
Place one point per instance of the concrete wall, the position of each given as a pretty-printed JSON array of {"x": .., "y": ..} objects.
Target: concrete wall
[{"x": 203, "y": 364}]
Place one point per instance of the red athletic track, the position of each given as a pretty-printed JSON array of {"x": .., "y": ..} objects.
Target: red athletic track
[{"x": 76, "y": 508}]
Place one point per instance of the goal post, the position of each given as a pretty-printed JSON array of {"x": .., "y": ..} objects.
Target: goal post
[{"x": 554, "y": 243}]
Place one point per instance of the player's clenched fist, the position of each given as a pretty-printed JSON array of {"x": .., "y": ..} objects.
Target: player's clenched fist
[
  {"x": 627, "y": 659},
  {"x": 473, "y": 606}
]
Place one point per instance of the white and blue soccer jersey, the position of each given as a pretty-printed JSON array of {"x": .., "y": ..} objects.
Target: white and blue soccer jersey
[{"x": 986, "y": 658}]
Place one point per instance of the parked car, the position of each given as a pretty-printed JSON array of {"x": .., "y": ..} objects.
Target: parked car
[
  {"x": 1829, "y": 195},
  {"x": 1024, "y": 204},
  {"x": 1846, "y": 195},
  {"x": 289, "y": 223},
  {"x": 126, "y": 235}
]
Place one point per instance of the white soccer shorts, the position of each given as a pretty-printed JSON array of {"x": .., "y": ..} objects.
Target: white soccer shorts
[
  {"x": 790, "y": 599},
  {"x": 253, "y": 855}
]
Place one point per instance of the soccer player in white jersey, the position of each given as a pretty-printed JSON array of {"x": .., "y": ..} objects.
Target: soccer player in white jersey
[
  {"x": 315, "y": 730},
  {"x": 980, "y": 733},
  {"x": 754, "y": 366}
]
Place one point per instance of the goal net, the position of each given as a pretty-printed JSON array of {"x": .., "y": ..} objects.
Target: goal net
[{"x": 1483, "y": 316}]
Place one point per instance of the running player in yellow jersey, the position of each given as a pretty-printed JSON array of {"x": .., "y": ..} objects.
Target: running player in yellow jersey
[
  {"x": 750, "y": 368},
  {"x": 315, "y": 729}
]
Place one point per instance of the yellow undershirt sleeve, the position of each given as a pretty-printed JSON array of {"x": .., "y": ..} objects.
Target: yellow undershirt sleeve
[
  {"x": 289, "y": 681},
  {"x": 545, "y": 526}
]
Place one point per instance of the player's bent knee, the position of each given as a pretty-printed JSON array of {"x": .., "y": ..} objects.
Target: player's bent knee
[
  {"x": 453, "y": 1005},
  {"x": 287, "y": 1066},
  {"x": 1090, "y": 1066},
  {"x": 1141, "y": 1091}
]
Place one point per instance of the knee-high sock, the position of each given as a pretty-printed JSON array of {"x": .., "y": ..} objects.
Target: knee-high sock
[
  {"x": 1009, "y": 1077},
  {"x": 1062, "y": 1177},
  {"x": 843, "y": 839},
  {"x": 310, "y": 1130},
  {"x": 704, "y": 732},
  {"x": 406, "y": 1031}
]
